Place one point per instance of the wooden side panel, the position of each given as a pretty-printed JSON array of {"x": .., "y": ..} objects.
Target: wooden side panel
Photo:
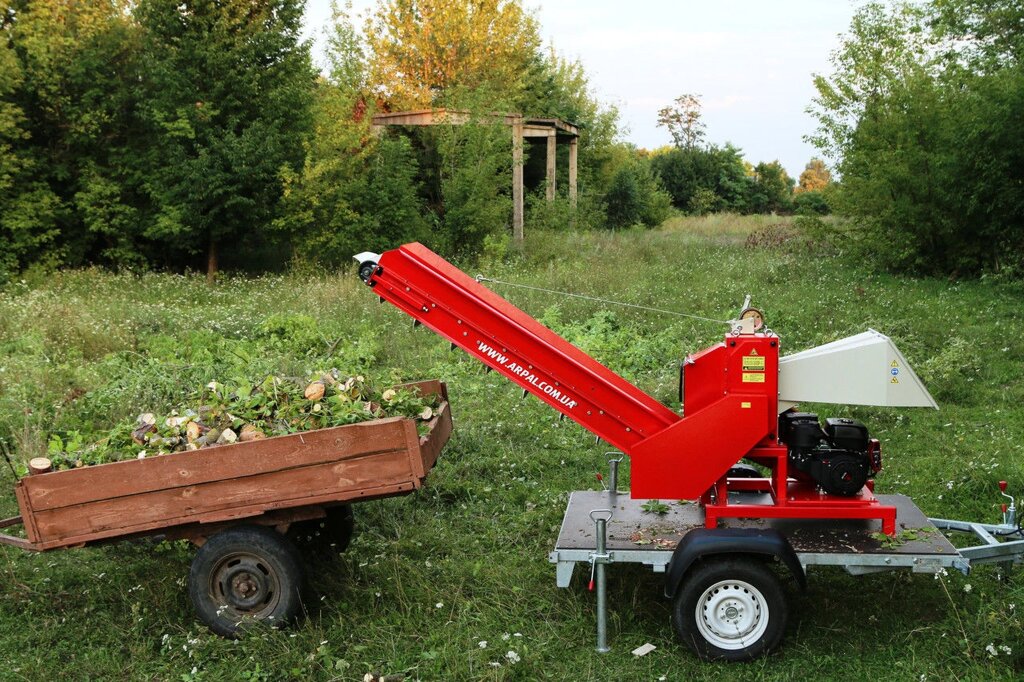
[
  {"x": 440, "y": 431},
  {"x": 184, "y": 469},
  {"x": 173, "y": 506}
]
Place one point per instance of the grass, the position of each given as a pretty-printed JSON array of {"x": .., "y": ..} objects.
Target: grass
[{"x": 431, "y": 577}]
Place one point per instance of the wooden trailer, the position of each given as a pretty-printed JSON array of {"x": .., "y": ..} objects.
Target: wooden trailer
[{"x": 245, "y": 505}]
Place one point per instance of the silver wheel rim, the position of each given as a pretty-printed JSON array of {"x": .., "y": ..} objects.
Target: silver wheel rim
[{"x": 732, "y": 614}]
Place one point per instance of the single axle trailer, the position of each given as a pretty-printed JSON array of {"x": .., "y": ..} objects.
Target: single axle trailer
[
  {"x": 727, "y": 597},
  {"x": 754, "y": 481}
]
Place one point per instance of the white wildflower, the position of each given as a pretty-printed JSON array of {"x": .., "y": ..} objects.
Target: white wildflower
[
  {"x": 482, "y": 644},
  {"x": 512, "y": 657},
  {"x": 991, "y": 649},
  {"x": 1005, "y": 649},
  {"x": 967, "y": 587},
  {"x": 439, "y": 605}
]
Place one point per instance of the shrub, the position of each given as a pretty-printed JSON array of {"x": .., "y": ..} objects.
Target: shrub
[
  {"x": 636, "y": 198},
  {"x": 811, "y": 203}
]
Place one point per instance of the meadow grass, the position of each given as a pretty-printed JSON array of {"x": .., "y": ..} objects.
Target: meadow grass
[{"x": 443, "y": 584}]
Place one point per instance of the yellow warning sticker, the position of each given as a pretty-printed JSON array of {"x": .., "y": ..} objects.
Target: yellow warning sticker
[
  {"x": 753, "y": 378},
  {"x": 894, "y": 381},
  {"x": 894, "y": 364},
  {"x": 745, "y": 405},
  {"x": 753, "y": 363}
]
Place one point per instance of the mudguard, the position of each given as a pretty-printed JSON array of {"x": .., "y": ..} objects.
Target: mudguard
[{"x": 704, "y": 542}]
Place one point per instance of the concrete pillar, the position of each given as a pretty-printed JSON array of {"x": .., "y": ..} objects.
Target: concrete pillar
[
  {"x": 552, "y": 154},
  {"x": 517, "y": 181}
]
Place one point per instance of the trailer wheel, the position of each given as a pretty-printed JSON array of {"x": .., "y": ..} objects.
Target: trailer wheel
[
  {"x": 245, "y": 574},
  {"x": 730, "y": 609},
  {"x": 329, "y": 535}
]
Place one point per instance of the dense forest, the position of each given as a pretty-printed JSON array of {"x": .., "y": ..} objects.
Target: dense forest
[{"x": 141, "y": 134}]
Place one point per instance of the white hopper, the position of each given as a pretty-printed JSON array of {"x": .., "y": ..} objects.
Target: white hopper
[{"x": 865, "y": 369}]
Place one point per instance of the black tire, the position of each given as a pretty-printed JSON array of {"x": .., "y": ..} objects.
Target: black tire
[
  {"x": 738, "y": 593},
  {"x": 744, "y": 470},
  {"x": 243, "y": 575},
  {"x": 367, "y": 269},
  {"x": 327, "y": 536}
]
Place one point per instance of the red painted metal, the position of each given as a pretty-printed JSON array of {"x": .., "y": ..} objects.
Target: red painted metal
[
  {"x": 503, "y": 337},
  {"x": 730, "y": 403}
]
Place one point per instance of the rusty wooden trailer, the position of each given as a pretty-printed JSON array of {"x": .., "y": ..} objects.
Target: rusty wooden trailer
[{"x": 245, "y": 505}]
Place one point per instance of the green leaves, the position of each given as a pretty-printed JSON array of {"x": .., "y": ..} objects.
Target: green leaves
[{"x": 919, "y": 110}]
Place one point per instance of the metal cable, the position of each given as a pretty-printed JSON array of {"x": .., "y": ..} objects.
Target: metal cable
[{"x": 481, "y": 278}]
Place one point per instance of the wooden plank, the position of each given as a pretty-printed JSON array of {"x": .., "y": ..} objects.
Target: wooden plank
[
  {"x": 412, "y": 452},
  {"x": 200, "y": 502},
  {"x": 517, "y": 182},
  {"x": 552, "y": 156},
  {"x": 190, "y": 528},
  {"x": 184, "y": 469},
  {"x": 573, "y": 171},
  {"x": 440, "y": 431},
  {"x": 25, "y": 505}
]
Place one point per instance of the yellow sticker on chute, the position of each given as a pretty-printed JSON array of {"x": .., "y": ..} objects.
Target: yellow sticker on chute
[
  {"x": 745, "y": 406},
  {"x": 894, "y": 364},
  {"x": 894, "y": 381},
  {"x": 753, "y": 363},
  {"x": 753, "y": 378}
]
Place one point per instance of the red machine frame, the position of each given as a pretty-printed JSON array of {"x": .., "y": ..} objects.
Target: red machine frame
[{"x": 730, "y": 403}]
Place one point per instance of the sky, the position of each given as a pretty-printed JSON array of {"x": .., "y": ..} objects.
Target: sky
[{"x": 751, "y": 61}]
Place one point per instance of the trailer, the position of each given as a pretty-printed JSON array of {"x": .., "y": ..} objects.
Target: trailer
[
  {"x": 245, "y": 506},
  {"x": 728, "y": 603},
  {"x": 755, "y": 481}
]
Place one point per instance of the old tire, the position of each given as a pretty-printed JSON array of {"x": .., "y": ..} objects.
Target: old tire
[
  {"x": 243, "y": 575},
  {"x": 327, "y": 536},
  {"x": 731, "y": 609}
]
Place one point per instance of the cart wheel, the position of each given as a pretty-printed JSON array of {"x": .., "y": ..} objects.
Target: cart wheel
[
  {"x": 328, "y": 535},
  {"x": 245, "y": 574},
  {"x": 730, "y": 609}
]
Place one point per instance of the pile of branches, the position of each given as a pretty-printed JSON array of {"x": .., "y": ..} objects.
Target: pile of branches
[{"x": 244, "y": 411}]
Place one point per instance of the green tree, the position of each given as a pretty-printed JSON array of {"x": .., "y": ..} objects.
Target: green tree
[
  {"x": 635, "y": 197},
  {"x": 227, "y": 98},
  {"x": 474, "y": 168},
  {"x": 68, "y": 105},
  {"x": 356, "y": 191},
  {"x": 682, "y": 118},
  {"x": 714, "y": 175},
  {"x": 420, "y": 49},
  {"x": 922, "y": 111},
  {"x": 772, "y": 190},
  {"x": 27, "y": 206}
]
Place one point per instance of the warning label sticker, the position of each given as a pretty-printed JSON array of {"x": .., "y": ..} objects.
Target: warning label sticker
[
  {"x": 894, "y": 381},
  {"x": 753, "y": 363},
  {"x": 753, "y": 378}
]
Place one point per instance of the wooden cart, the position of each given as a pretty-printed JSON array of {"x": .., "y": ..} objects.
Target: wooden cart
[{"x": 243, "y": 504}]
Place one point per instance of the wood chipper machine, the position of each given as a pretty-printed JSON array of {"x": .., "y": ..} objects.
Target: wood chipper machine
[{"x": 768, "y": 482}]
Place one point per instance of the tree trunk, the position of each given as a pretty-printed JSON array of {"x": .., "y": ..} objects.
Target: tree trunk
[{"x": 211, "y": 263}]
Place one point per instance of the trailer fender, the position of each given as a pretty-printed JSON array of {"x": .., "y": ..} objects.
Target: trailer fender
[{"x": 706, "y": 542}]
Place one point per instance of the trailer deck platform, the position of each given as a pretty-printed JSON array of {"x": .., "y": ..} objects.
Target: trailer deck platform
[{"x": 636, "y": 536}]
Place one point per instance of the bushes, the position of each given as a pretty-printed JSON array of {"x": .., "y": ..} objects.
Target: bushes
[{"x": 636, "y": 197}]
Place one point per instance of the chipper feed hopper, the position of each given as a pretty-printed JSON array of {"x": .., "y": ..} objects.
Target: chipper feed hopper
[{"x": 738, "y": 401}]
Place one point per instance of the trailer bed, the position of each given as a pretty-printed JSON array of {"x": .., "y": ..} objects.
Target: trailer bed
[
  {"x": 636, "y": 536},
  {"x": 273, "y": 481}
]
